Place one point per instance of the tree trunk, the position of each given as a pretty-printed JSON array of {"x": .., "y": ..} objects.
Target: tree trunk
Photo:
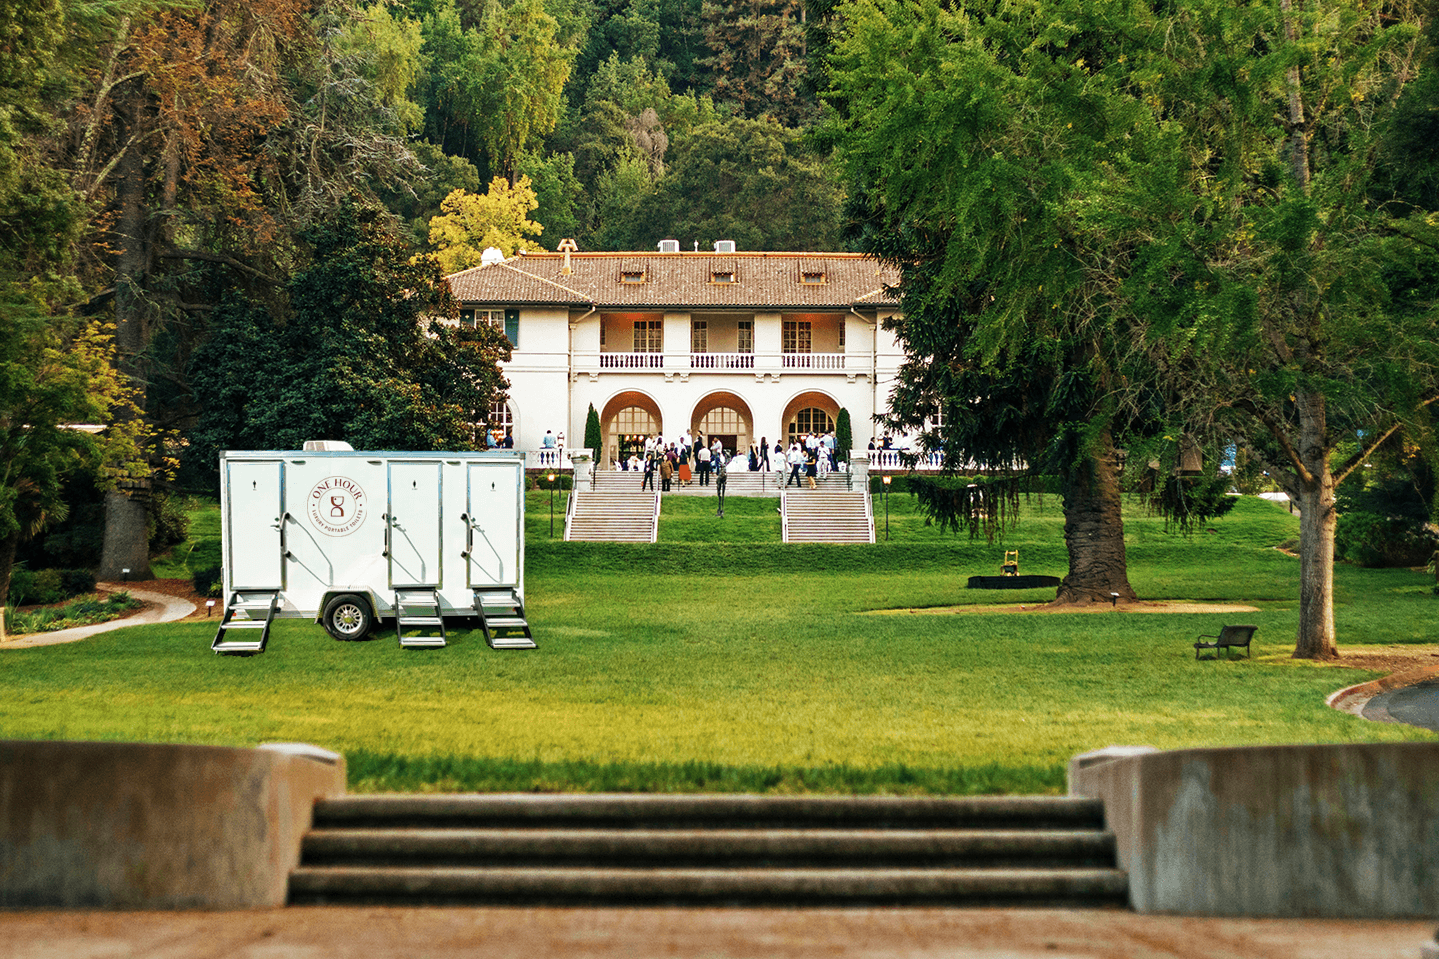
[
  {"x": 127, "y": 543},
  {"x": 1317, "y": 518},
  {"x": 1094, "y": 533},
  {"x": 8, "y": 546}
]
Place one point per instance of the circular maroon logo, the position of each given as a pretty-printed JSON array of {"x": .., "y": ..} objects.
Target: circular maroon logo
[{"x": 337, "y": 506}]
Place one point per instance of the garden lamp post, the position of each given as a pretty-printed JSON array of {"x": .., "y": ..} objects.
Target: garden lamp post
[
  {"x": 551, "y": 480},
  {"x": 886, "y": 480}
]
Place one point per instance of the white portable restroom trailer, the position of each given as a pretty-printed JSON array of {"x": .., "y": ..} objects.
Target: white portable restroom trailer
[{"x": 354, "y": 539}]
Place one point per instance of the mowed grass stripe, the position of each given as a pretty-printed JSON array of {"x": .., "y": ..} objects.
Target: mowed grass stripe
[{"x": 757, "y": 674}]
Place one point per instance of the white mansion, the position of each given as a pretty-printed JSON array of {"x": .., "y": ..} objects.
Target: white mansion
[{"x": 735, "y": 345}]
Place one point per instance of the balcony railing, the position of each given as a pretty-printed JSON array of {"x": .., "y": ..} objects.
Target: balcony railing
[
  {"x": 632, "y": 361},
  {"x": 555, "y": 458},
  {"x": 890, "y": 461},
  {"x": 813, "y": 361},
  {"x": 822, "y": 363},
  {"x": 721, "y": 361}
]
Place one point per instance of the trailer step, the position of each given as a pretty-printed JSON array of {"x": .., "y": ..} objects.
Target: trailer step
[
  {"x": 419, "y": 608},
  {"x": 502, "y": 618},
  {"x": 246, "y": 602}
]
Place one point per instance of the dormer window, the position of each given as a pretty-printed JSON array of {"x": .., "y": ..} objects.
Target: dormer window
[
  {"x": 632, "y": 276},
  {"x": 811, "y": 273},
  {"x": 722, "y": 271}
]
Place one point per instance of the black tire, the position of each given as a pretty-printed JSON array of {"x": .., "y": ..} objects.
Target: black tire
[{"x": 348, "y": 616}]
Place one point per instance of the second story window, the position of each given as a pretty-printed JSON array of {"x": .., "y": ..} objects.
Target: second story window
[
  {"x": 506, "y": 321},
  {"x": 795, "y": 336},
  {"x": 841, "y": 335},
  {"x": 475, "y": 318},
  {"x": 746, "y": 336},
  {"x": 699, "y": 336},
  {"x": 649, "y": 336}
]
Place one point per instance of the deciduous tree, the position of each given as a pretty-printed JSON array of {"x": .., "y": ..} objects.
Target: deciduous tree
[{"x": 468, "y": 224}]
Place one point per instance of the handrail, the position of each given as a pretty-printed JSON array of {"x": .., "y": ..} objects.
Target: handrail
[
  {"x": 784, "y": 515},
  {"x": 655, "y": 523},
  {"x": 869, "y": 512},
  {"x": 570, "y": 511}
]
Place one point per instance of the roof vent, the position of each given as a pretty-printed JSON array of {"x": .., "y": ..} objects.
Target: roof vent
[
  {"x": 724, "y": 246},
  {"x": 327, "y": 446},
  {"x": 491, "y": 256},
  {"x": 669, "y": 246}
]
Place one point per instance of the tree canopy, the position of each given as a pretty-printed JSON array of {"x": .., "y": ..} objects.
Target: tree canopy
[{"x": 1166, "y": 214}]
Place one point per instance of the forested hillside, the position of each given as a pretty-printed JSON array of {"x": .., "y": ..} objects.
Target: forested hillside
[
  {"x": 220, "y": 220},
  {"x": 632, "y": 121}
]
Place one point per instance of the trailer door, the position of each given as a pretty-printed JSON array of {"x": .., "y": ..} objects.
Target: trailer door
[
  {"x": 494, "y": 539},
  {"x": 254, "y": 500},
  {"x": 414, "y": 524}
]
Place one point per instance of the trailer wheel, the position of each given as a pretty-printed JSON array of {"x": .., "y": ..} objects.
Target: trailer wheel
[{"x": 348, "y": 616}]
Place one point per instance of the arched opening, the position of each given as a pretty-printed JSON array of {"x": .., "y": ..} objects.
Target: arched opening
[
  {"x": 809, "y": 413},
  {"x": 627, "y": 419},
  {"x": 726, "y": 417}
]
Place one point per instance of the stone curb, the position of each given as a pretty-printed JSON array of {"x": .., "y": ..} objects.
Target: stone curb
[{"x": 1353, "y": 699}]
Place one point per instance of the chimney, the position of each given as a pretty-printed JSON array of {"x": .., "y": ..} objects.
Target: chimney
[{"x": 567, "y": 246}]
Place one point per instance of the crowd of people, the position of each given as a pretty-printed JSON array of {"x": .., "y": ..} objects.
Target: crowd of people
[{"x": 690, "y": 459}]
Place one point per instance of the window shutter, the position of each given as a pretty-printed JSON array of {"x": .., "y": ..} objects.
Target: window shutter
[{"x": 512, "y": 327}]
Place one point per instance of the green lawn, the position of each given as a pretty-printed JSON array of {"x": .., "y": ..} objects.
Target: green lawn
[{"x": 719, "y": 658}]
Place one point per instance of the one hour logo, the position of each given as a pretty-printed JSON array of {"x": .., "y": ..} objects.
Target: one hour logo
[{"x": 337, "y": 506}]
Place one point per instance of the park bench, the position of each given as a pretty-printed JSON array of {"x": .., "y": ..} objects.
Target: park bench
[{"x": 1229, "y": 637}]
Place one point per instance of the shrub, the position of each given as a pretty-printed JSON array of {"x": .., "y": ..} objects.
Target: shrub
[
  {"x": 562, "y": 481},
  {"x": 843, "y": 435},
  {"x": 207, "y": 581},
  {"x": 594, "y": 440},
  {"x": 35, "y": 587},
  {"x": 169, "y": 521},
  {"x": 75, "y": 582},
  {"x": 1369, "y": 539}
]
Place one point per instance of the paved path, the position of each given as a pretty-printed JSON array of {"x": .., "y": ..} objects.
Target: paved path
[
  {"x": 1417, "y": 705},
  {"x": 441, "y": 933},
  {"x": 159, "y": 609}
]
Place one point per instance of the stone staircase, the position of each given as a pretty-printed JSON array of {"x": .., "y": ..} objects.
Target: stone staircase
[
  {"x": 826, "y": 515},
  {"x": 709, "y": 850},
  {"x": 614, "y": 517}
]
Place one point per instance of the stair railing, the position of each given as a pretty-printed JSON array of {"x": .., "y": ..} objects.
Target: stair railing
[
  {"x": 869, "y": 513},
  {"x": 570, "y": 512}
]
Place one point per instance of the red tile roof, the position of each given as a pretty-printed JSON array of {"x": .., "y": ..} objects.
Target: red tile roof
[{"x": 762, "y": 281}]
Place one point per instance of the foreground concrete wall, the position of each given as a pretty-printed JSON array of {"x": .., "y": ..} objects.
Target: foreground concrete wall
[
  {"x": 1345, "y": 830},
  {"x": 140, "y": 826}
]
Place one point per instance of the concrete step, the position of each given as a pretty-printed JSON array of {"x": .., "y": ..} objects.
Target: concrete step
[
  {"x": 735, "y": 811},
  {"x": 827, "y": 516},
  {"x": 723, "y": 887},
  {"x": 627, "y": 517},
  {"x": 710, "y": 847},
  {"x": 709, "y": 850}
]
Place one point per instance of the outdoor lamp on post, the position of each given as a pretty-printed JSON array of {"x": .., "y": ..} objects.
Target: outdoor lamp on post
[
  {"x": 551, "y": 479},
  {"x": 886, "y": 481}
]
